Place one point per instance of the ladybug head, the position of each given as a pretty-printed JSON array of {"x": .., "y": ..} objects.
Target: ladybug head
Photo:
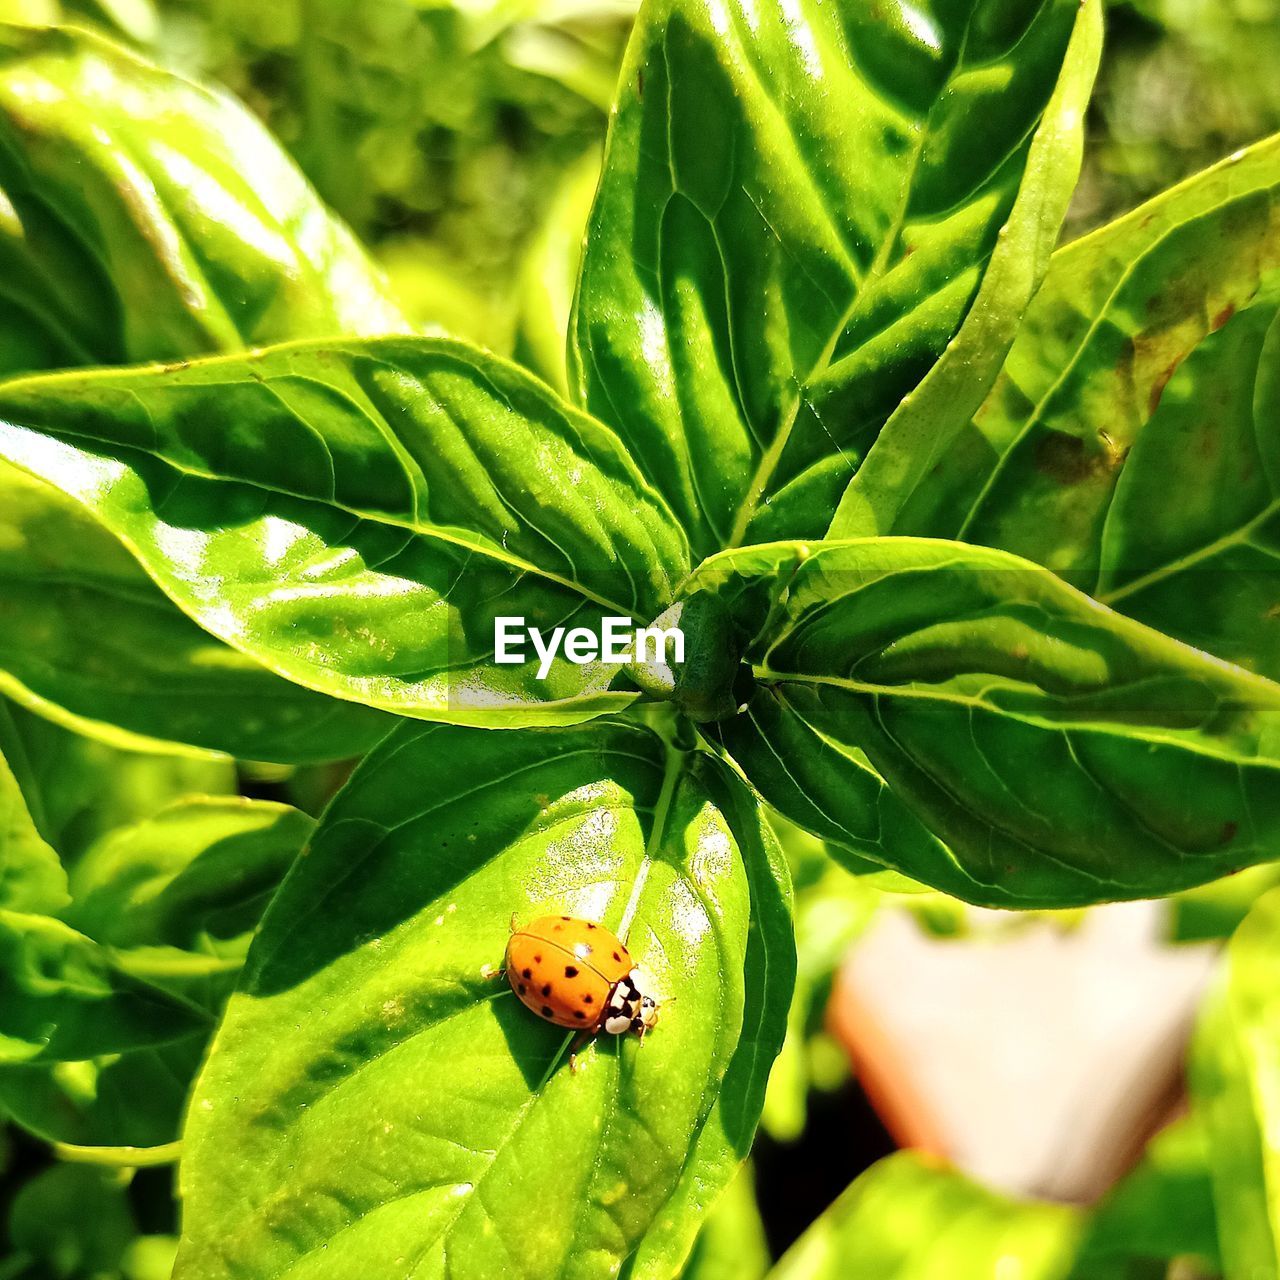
[
  {"x": 646, "y": 1017},
  {"x": 630, "y": 1006}
]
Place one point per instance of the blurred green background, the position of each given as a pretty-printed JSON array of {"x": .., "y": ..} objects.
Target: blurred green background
[{"x": 460, "y": 139}]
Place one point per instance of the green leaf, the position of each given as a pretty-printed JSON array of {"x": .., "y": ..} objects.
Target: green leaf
[
  {"x": 31, "y": 875},
  {"x": 132, "y": 1099},
  {"x": 731, "y": 1244},
  {"x": 802, "y": 206},
  {"x": 1212, "y": 912},
  {"x": 376, "y": 1092},
  {"x": 145, "y": 217},
  {"x": 74, "y": 1220},
  {"x": 1204, "y": 568},
  {"x": 550, "y": 272},
  {"x": 1144, "y": 368},
  {"x": 80, "y": 788},
  {"x": 87, "y": 639},
  {"x": 107, "y": 257},
  {"x": 1161, "y": 1211},
  {"x": 196, "y": 875},
  {"x": 832, "y": 909},
  {"x": 1234, "y": 1079},
  {"x": 913, "y": 698},
  {"x": 65, "y": 998},
  {"x": 183, "y": 891},
  {"x": 909, "y": 1219},
  {"x": 413, "y": 490}
]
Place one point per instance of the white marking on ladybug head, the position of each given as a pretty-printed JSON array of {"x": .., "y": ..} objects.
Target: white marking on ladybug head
[
  {"x": 618, "y": 1024},
  {"x": 647, "y": 1018}
]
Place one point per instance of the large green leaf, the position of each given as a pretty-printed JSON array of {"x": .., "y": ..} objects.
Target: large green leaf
[
  {"x": 965, "y": 717},
  {"x": 144, "y": 217},
  {"x": 377, "y": 1099},
  {"x": 65, "y": 998},
  {"x": 355, "y": 515},
  {"x": 133, "y": 230},
  {"x": 1236, "y": 1082},
  {"x": 1144, "y": 369},
  {"x": 107, "y": 257},
  {"x": 31, "y": 875},
  {"x": 87, "y": 639},
  {"x": 907, "y": 1218},
  {"x": 802, "y": 206}
]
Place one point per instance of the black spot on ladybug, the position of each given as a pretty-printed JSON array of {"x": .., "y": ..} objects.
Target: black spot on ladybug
[
  {"x": 590, "y": 925},
  {"x": 546, "y": 1011},
  {"x": 546, "y": 990},
  {"x": 570, "y": 971},
  {"x": 588, "y": 999},
  {"x": 537, "y": 959},
  {"x": 564, "y": 917},
  {"x": 526, "y": 973},
  {"x": 617, "y": 957},
  {"x": 521, "y": 989},
  {"x": 582, "y": 1017}
]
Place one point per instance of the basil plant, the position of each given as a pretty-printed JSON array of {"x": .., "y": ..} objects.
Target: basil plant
[{"x": 968, "y": 541}]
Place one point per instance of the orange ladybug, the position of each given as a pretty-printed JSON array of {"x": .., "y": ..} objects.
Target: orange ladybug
[{"x": 577, "y": 974}]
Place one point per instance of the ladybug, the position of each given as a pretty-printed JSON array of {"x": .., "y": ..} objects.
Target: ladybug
[{"x": 575, "y": 973}]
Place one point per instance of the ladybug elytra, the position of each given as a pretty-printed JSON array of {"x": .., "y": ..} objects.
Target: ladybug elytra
[{"x": 577, "y": 974}]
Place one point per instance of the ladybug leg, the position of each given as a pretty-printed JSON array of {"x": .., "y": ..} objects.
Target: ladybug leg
[{"x": 579, "y": 1040}]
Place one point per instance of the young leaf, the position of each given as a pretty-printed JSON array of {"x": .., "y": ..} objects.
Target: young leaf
[
  {"x": 411, "y": 490},
  {"x": 416, "y": 1110},
  {"x": 65, "y": 998},
  {"x": 802, "y": 206},
  {"x": 914, "y": 698},
  {"x": 1234, "y": 1077},
  {"x": 908, "y": 1219},
  {"x": 144, "y": 217},
  {"x": 31, "y": 875},
  {"x": 1120, "y": 391},
  {"x": 87, "y": 639}
]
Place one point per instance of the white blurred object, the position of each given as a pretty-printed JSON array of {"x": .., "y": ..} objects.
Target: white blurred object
[{"x": 1040, "y": 1057}]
